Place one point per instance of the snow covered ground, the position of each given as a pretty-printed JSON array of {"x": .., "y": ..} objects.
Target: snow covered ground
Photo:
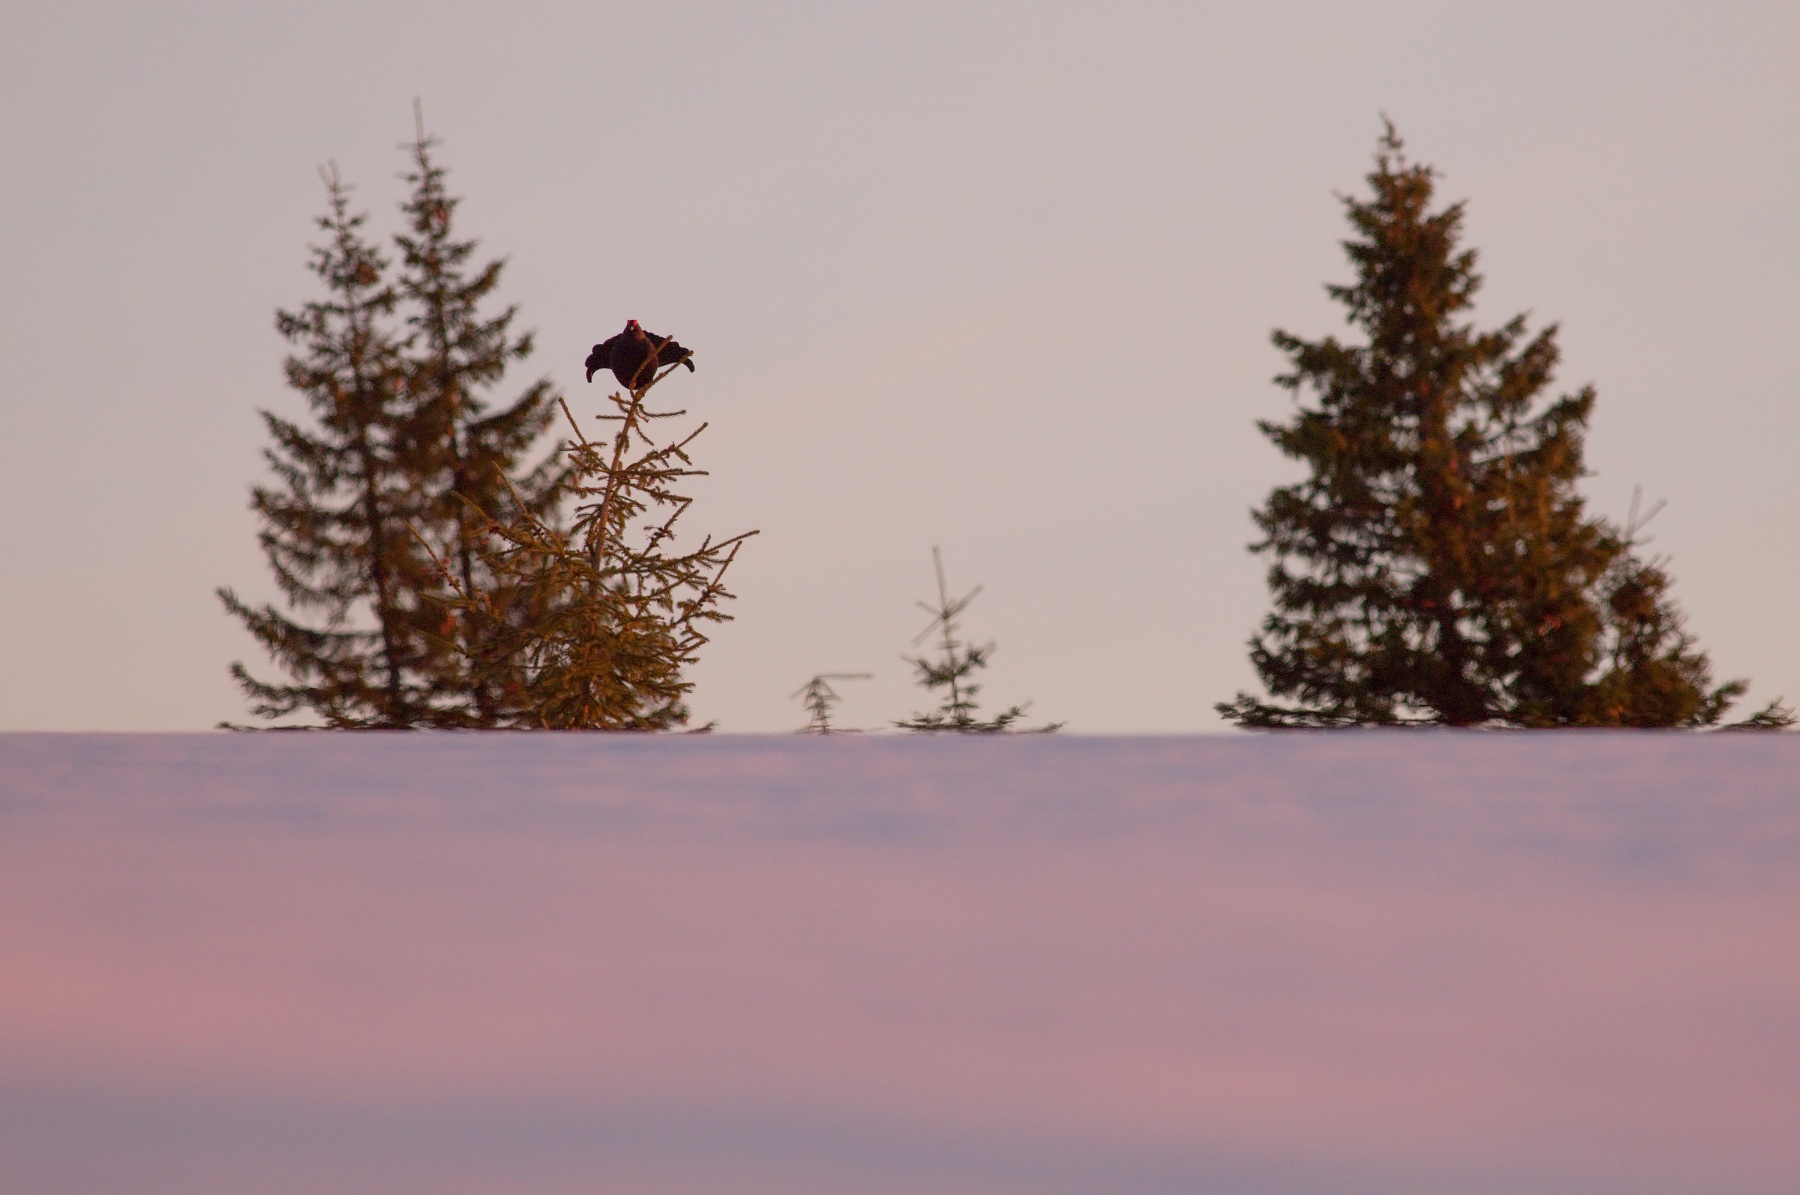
[{"x": 1345, "y": 964}]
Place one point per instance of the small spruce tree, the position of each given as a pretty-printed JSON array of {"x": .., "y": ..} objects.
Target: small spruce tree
[
  {"x": 591, "y": 627},
  {"x": 1437, "y": 564},
  {"x": 820, "y": 699},
  {"x": 954, "y": 670},
  {"x": 335, "y": 522}
]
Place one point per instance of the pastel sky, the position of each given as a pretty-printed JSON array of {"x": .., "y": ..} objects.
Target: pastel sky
[{"x": 992, "y": 276}]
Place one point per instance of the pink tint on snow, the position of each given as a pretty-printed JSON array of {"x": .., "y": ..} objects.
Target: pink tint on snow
[{"x": 1166, "y": 948}]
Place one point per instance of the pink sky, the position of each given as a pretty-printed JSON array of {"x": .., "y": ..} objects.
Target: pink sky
[
  {"x": 993, "y": 275},
  {"x": 1337, "y": 963}
]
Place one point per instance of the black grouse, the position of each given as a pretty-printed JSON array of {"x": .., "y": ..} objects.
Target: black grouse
[{"x": 634, "y": 355}]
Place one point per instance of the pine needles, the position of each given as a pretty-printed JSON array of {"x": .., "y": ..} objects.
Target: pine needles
[{"x": 590, "y": 627}]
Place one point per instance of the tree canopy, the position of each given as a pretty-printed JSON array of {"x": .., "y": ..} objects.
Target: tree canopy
[
  {"x": 1438, "y": 564},
  {"x": 592, "y": 627},
  {"x": 334, "y": 523},
  {"x": 373, "y": 499}
]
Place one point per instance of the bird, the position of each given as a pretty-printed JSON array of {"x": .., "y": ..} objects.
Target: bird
[{"x": 634, "y": 355}]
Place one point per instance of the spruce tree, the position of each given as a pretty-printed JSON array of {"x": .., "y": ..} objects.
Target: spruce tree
[
  {"x": 469, "y": 455},
  {"x": 335, "y": 524},
  {"x": 1438, "y": 565},
  {"x": 593, "y": 626},
  {"x": 820, "y": 699},
  {"x": 953, "y": 672}
]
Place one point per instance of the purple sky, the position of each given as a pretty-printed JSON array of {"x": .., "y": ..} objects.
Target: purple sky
[
  {"x": 1404, "y": 965},
  {"x": 998, "y": 277}
]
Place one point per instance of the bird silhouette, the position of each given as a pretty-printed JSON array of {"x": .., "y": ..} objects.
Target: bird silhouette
[{"x": 634, "y": 356}]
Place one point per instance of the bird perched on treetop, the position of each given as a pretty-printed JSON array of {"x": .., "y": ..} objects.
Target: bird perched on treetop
[{"x": 634, "y": 355}]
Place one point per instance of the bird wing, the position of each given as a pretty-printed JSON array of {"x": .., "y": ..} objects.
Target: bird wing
[
  {"x": 600, "y": 358},
  {"x": 670, "y": 352}
]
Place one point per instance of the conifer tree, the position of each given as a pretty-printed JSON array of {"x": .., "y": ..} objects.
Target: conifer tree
[
  {"x": 335, "y": 524},
  {"x": 954, "y": 670},
  {"x": 1437, "y": 564},
  {"x": 820, "y": 699},
  {"x": 469, "y": 456},
  {"x": 591, "y": 627}
]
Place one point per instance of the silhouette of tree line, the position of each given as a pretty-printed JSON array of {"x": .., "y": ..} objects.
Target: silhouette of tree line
[{"x": 1436, "y": 565}]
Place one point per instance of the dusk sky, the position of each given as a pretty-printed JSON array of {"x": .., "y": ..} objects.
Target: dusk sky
[{"x": 995, "y": 277}]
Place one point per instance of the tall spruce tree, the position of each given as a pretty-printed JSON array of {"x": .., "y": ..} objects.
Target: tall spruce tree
[
  {"x": 470, "y": 456},
  {"x": 1437, "y": 565},
  {"x": 384, "y": 496},
  {"x": 335, "y": 524}
]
